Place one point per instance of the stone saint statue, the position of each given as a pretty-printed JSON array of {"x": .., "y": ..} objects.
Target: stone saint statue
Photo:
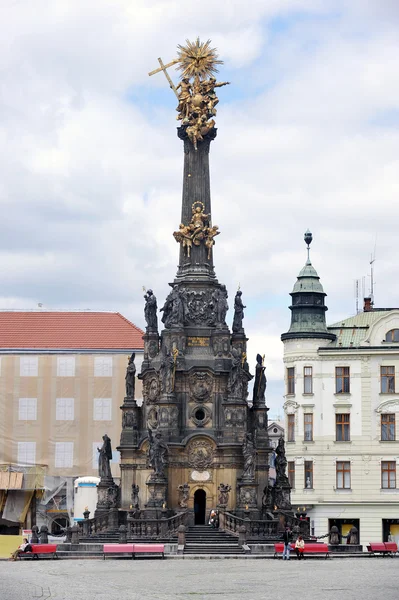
[
  {"x": 135, "y": 495},
  {"x": 238, "y": 313},
  {"x": 173, "y": 309},
  {"x": 104, "y": 458},
  {"x": 249, "y": 452},
  {"x": 184, "y": 491},
  {"x": 150, "y": 311},
  {"x": 158, "y": 453},
  {"x": 224, "y": 490},
  {"x": 260, "y": 382},
  {"x": 281, "y": 462},
  {"x": 222, "y": 305},
  {"x": 130, "y": 377},
  {"x": 166, "y": 374}
]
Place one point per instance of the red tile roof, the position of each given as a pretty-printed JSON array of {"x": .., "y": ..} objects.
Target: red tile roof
[{"x": 68, "y": 330}]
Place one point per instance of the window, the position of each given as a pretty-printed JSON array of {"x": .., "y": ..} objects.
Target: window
[
  {"x": 342, "y": 428},
  {"x": 66, "y": 366},
  {"x": 26, "y": 453},
  {"x": 343, "y": 475},
  {"x": 102, "y": 409},
  {"x": 308, "y": 427},
  {"x": 27, "y": 409},
  {"x": 387, "y": 380},
  {"x": 342, "y": 385},
  {"x": 291, "y": 473},
  {"x": 392, "y": 336},
  {"x": 308, "y": 380},
  {"x": 388, "y": 427},
  {"x": 309, "y": 474},
  {"x": 64, "y": 409},
  {"x": 291, "y": 380},
  {"x": 388, "y": 474},
  {"x": 28, "y": 366},
  {"x": 103, "y": 366},
  {"x": 291, "y": 428},
  {"x": 64, "y": 455}
]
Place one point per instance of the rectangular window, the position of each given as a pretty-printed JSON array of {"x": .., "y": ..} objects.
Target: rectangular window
[
  {"x": 309, "y": 474},
  {"x": 387, "y": 380},
  {"x": 66, "y": 366},
  {"x": 26, "y": 453},
  {"x": 342, "y": 428},
  {"x": 27, "y": 409},
  {"x": 308, "y": 427},
  {"x": 291, "y": 473},
  {"x": 308, "y": 380},
  {"x": 28, "y": 366},
  {"x": 64, "y": 455},
  {"x": 290, "y": 428},
  {"x": 103, "y": 366},
  {"x": 64, "y": 409},
  {"x": 388, "y": 427},
  {"x": 343, "y": 475},
  {"x": 291, "y": 380},
  {"x": 342, "y": 380},
  {"x": 388, "y": 475},
  {"x": 102, "y": 409}
]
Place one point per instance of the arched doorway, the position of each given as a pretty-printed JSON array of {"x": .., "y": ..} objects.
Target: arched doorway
[{"x": 199, "y": 507}]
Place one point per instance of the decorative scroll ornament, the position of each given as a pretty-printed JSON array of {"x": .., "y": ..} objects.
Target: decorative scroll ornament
[
  {"x": 197, "y": 231},
  {"x": 200, "y": 455},
  {"x": 151, "y": 389}
]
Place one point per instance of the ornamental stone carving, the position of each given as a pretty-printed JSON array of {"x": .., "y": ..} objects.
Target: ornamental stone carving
[
  {"x": 201, "y": 384},
  {"x": 234, "y": 417},
  {"x": 151, "y": 389},
  {"x": 200, "y": 454}
]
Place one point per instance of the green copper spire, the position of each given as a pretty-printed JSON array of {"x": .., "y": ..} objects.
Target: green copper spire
[{"x": 308, "y": 309}]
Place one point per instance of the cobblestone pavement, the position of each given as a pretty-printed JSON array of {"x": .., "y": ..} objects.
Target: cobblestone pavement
[{"x": 361, "y": 579}]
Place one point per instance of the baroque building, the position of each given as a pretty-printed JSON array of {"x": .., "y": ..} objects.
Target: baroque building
[
  {"x": 62, "y": 374},
  {"x": 340, "y": 408}
]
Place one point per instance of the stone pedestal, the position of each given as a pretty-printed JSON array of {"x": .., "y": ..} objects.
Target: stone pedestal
[
  {"x": 247, "y": 494},
  {"x": 157, "y": 489},
  {"x": 130, "y": 422},
  {"x": 103, "y": 496}
]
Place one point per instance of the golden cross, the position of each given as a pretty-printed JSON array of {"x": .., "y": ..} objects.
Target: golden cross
[{"x": 163, "y": 68}]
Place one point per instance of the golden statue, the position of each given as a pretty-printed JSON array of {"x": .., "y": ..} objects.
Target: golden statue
[
  {"x": 197, "y": 100},
  {"x": 198, "y": 230}
]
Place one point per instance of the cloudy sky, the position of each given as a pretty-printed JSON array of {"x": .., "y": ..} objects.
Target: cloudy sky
[{"x": 91, "y": 167}]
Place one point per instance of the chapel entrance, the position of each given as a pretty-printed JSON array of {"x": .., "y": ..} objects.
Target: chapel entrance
[{"x": 199, "y": 507}]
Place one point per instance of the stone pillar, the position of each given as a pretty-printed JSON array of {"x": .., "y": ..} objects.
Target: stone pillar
[
  {"x": 35, "y": 537},
  {"x": 86, "y": 524},
  {"x": 43, "y": 534},
  {"x": 122, "y": 534},
  {"x": 75, "y": 534},
  {"x": 113, "y": 518},
  {"x": 242, "y": 535}
]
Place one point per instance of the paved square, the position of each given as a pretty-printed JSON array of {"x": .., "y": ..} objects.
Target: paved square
[{"x": 352, "y": 579}]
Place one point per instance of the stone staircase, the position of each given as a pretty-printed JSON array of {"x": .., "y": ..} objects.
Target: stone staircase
[{"x": 202, "y": 539}]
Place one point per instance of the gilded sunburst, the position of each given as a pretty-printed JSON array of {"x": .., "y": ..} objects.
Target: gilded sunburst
[{"x": 197, "y": 59}]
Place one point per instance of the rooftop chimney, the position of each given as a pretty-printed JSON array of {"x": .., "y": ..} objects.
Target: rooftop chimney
[{"x": 368, "y": 305}]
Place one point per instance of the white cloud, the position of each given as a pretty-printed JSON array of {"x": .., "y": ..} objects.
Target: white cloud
[{"x": 91, "y": 180}]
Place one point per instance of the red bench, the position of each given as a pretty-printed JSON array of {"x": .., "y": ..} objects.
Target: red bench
[
  {"x": 39, "y": 549},
  {"x": 149, "y": 549},
  {"x": 389, "y": 548},
  {"x": 310, "y": 548},
  {"x": 120, "y": 549}
]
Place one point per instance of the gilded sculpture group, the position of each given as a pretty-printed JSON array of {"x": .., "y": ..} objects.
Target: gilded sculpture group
[
  {"x": 197, "y": 106},
  {"x": 199, "y": 229}
]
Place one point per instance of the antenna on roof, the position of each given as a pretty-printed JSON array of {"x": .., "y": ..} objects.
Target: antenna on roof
[
  {"x": 357, "y": 285},
  {"x": 372, "y": 282}
]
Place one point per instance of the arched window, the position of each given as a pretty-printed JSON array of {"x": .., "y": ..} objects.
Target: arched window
[{"x": 392, "y": 335}]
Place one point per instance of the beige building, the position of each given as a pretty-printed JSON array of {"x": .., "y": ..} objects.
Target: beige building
[
  {"x": 341, "y": 404},
  {"x": 62, "y": 381}
]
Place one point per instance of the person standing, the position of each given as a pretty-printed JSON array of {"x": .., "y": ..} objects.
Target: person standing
[
  {"x": 287, "y": 537},
  {"x": 300, "y": 548}
]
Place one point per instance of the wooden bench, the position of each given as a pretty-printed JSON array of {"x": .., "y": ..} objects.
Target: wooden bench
[
  {"x": 149, "y": 549},
  {"x": 389, "y": 548},
  {"x": 119, "y": 549},
  {"x": 310, "y": 548},
  {"x": 39, "y": 549}
]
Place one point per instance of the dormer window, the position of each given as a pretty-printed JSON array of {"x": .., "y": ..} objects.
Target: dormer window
[{"x": 392, "y": 335}]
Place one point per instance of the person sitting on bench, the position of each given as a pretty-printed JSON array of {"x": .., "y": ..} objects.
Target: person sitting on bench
[
  {"x": 24, "y": 547},
  {"x": 300, "y": 548}
]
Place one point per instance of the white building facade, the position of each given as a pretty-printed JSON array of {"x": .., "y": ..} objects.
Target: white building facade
[{"x": 341, "y": 410}]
